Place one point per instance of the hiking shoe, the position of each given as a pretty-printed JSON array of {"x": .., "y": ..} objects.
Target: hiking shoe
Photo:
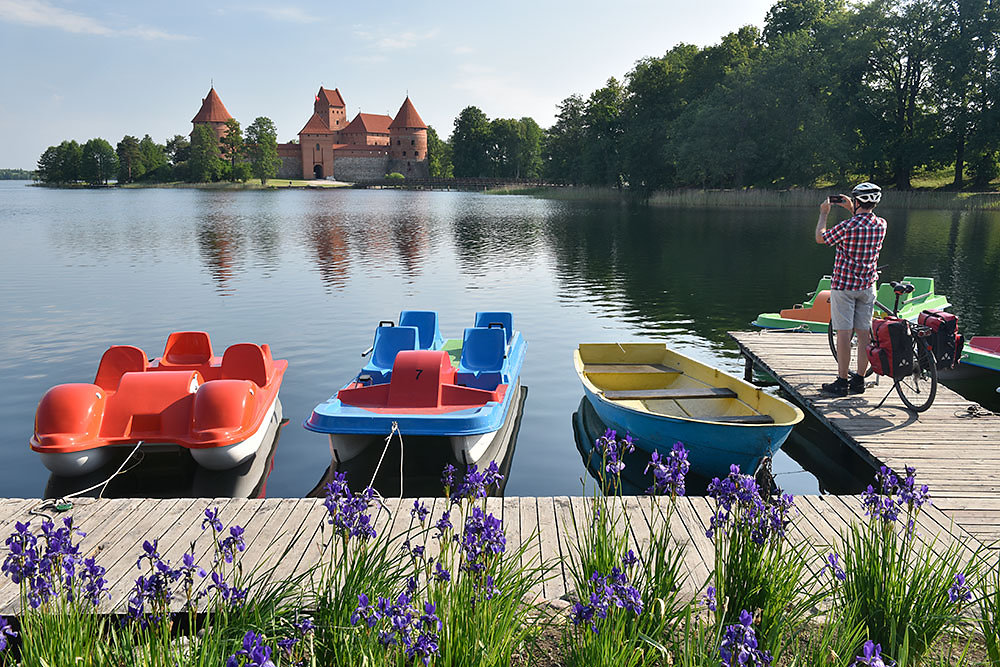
[
  {"x": 855, "y": 383},
  {"x": 836, "y": 388}
]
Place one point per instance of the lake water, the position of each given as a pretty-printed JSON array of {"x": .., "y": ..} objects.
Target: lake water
[{"x": 313, "y": 271}]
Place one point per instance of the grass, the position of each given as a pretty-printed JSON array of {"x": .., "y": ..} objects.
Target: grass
[{"x": 251, "y": 184}]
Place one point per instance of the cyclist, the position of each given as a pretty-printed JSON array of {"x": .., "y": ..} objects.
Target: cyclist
[{"x": 858, "y": 241}]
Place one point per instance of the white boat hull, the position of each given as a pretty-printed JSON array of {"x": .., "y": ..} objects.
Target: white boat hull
[{"x": 74, "y": 464}]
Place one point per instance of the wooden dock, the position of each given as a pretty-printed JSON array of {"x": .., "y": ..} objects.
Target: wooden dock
[
  {"x": 116, "y": 530},
  {"x": 955, "y": 450}
]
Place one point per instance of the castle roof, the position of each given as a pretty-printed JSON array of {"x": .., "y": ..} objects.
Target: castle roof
[
  {"x": 407, "y": 116},
  {"x": 369, "y": 123},
  {"x": 331, "y": 97},
  {"x": 212, "y": 109},
  {"x": 316, "y": 125}
]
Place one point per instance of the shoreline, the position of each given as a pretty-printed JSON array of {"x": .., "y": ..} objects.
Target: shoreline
[{"x": 681, "y": 198}]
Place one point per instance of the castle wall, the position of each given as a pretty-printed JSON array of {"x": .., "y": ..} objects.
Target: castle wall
[
  {"x": 409, "y": 168},
  {"x": 291, "y": 161},
  {"x": 354, "y": 169}
]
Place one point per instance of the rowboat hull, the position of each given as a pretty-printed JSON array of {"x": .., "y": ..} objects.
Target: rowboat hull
[{"x": 720, "y": 419}]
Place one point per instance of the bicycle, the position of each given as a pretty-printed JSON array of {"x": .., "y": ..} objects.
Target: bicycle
[{"x": 917, "y": 387}]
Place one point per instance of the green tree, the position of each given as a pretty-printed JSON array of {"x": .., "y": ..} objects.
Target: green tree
[
  {"x": 154, "y": 157},
  {"x": 130, "y": 163},
  {"x": 964, "y": 63},
  {"x": 60, "y": 164},
  {"x": 98, "y": 162},
  {"x": 529, "y": 154},
  {"x": 602, "y": 155},
  {"x": 897, "y": 87},
  {"x": 178, "y": 149},
  {"x": 503, "y": 147},
  {"x": 204, "y": 163},
  {"x": 438, "y": 156},
  {"x": 231, "y": 142},
  {"x": 262, "y": 148},
  {"x": 562, "y": 146},
  {"x": 470, "y": 143},
  {"x": 48, "y": 165}
]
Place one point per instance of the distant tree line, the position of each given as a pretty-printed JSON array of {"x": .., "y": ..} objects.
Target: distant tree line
[
  {"x": 15, "y": 175},
  {"x": 202, "y": 159},
  {"x": 826, "y": 91},
  {"x": 480, "y": 147}
]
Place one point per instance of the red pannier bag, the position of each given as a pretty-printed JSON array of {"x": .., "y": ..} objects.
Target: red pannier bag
[
  {"x": 946, "y": 342},
  {"x": 891, "y": 350}
]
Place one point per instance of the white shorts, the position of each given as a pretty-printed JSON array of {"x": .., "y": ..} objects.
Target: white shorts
[{"x": 852, "y": 309}]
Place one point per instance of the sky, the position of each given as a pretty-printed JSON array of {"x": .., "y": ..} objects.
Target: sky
[{"x": 78, "y": 69}]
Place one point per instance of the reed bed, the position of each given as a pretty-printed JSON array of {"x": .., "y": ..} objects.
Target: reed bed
[
  {"x": 451, "y": 591},
  {"x": 760, "y": 198}
]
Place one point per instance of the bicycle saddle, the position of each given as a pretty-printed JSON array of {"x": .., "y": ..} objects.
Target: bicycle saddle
[{"x": 902, "y": 287}]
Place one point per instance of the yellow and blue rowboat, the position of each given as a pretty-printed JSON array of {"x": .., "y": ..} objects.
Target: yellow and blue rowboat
[{"x": 660, "y": 397}]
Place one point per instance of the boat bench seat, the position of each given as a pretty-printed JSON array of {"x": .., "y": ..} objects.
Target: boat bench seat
[
  {"x": 628, "y": 368},
  {"x": 744, "y": 419},
  {"x": 694, "y": 392}
]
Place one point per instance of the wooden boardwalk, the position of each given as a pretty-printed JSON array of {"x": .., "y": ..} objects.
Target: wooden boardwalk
[
  {"x": 116, "y": 530},
  {"x": 955, "y": 453}
]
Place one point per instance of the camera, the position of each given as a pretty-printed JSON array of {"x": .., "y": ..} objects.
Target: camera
[{"x": 834, "y": 199}]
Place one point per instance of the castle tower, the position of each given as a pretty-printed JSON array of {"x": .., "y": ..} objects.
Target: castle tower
[
  {"x": 212, "y": 113},
  {"x": 408, "y": 137},
  {"x": 330, "y": 107}
]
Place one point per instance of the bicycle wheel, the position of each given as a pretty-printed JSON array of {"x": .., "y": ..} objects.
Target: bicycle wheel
[
  {"x": 918, "y": 388},
  {"x": 831, "y": 338}
]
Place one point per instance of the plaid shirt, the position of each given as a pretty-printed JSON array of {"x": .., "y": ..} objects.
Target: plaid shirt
[{"x": 858, "y": 241}]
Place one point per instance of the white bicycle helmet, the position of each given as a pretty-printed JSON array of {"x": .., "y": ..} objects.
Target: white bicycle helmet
[{"x": 866, "y": 192}]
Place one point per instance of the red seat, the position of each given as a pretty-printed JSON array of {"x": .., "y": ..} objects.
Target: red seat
[
  {"x": 247, "y": 361},
  {"x": 118, "y": 360},
  {"x": 187, "y": 348},
  {"x": 417, "y": 377}
]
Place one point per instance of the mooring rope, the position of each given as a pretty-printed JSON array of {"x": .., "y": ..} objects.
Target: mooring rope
[
  {"x": 974, "y": 411},
  {"x": 64, "y": 504},
  {"x": 378, "y": 466}
]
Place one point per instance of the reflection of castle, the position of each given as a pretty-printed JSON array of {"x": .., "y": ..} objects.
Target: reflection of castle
[{"x": 368, "y": 147}]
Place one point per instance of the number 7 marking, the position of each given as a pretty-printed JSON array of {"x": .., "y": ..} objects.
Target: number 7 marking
[{"x": 419, "y": 371}]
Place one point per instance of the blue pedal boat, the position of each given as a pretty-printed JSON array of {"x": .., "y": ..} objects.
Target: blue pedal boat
[{"x": 462, "y": 390}]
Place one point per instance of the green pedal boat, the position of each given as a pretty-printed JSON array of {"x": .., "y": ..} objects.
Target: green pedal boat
[{"x": 814, "y": 313}]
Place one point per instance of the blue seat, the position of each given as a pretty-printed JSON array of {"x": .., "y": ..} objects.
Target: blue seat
[
  {"x": 388, "y": 342},
  {"x": 482, "y": 360},
  {"x": 426, "y": 321},
  {"x": 485, "y": 318}
]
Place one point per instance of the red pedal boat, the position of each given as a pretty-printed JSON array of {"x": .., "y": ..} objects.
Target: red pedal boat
[{"x": 218, "y": 408}]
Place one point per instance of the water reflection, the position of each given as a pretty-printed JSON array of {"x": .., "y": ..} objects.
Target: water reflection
[
  {"x": 220, "y": 243},
  {"x": 329, "y": 243},
  {"x": 488, "y": 244}
]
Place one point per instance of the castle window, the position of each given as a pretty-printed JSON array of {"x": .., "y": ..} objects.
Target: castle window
[
  {"x": 413, "y": 142},
  {"x": 404, "y": 153},
  {"x": 317, "y": 146},
  {"x": 397, "y": 142}
]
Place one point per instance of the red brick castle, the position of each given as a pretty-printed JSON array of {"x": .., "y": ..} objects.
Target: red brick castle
[{"x": 367, "y": 148}]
